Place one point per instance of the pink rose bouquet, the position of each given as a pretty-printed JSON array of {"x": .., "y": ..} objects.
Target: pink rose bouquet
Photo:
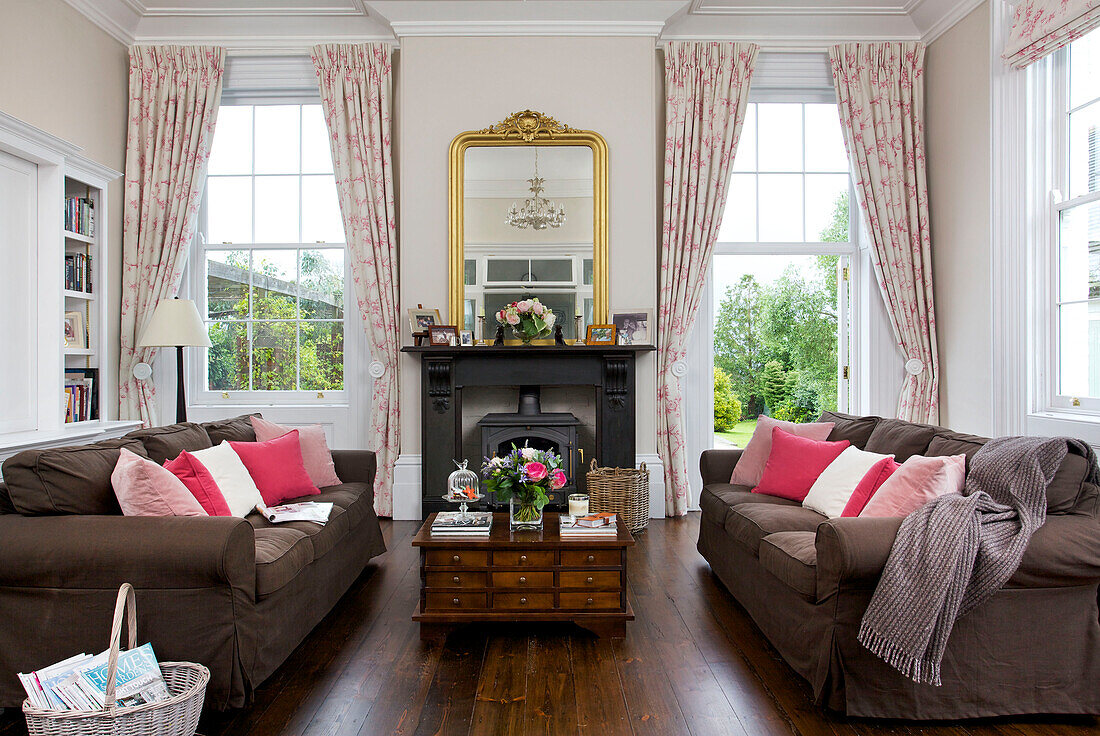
[
  {"x": 529, "y": 319},
  {"x": 526, "y": 475}
]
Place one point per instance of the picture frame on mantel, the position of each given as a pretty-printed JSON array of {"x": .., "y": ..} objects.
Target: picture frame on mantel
[
  {"x": 633, "y": 326},
  {"x": 600, "y": 335}
]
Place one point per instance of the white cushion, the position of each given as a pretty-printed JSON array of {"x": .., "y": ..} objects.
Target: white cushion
[
  {"x": 830, "y": 492},
  {"x": 240, "y": 491}
]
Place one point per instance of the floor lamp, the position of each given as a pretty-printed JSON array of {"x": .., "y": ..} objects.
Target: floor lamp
[{"x": 176, "y": 324}]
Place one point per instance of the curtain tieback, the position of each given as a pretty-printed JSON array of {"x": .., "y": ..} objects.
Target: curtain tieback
[{"x": 914, "y": 366}]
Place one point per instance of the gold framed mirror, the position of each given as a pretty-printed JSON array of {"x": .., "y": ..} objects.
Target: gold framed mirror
[{"x": 528, "y": 218}]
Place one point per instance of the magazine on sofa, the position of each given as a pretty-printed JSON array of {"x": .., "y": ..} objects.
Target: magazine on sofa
[{"x": 316, "y": 511}]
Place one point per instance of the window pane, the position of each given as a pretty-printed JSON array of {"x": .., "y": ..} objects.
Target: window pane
[
  {"x": 739, "y": 219},
  {"x": 1084, "y": 151},
  {"x": 231, "y": 152},
  {"x": 1079, "y": 335},
  {"x": 551, "y": 269},
  {"x": 274, "y": 287},
  {"x": 469, "y": 317},
  {"x": 1079, "y": 253},
  {"x": 1084, "y": 61},
  {"x": 470, "y": 272},
  {"x": 277, "y": 209},
  {"x": 780, "y": 130},
  {"x": 744, "y": 158},
  {"x": 227, "y": 357},
  {"x": 586, "y": 266},
  {"x": 227, "y": 284},
  {"x": 322, "y": 282},
  {"x": 273, "y": 360},
  {"x": 316, "y": 153},
  {"x": 824, "y": 141},
  {"x": 229, "y": 209},
  {"x": 827, "y": 208},
  {"x": 277, "y": 139},
  {"x": 781, "y": 208},
  {"x": 321, "y": 220},
  {"x": 321, "y": 361},
  {"x": 503, "y": 269}
]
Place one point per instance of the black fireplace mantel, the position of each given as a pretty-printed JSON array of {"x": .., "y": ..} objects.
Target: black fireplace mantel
[{"x": 447, "y": 371}]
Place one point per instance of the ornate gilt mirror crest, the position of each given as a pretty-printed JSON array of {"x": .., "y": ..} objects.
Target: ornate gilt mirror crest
[{"x": 528, "y": 218}]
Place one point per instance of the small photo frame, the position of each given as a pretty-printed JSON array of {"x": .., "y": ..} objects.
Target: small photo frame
[
  {"x": 420, "y": 320},
  {"x": 600, "y": 335},
  {"x": 633, "y": 326},
  {"x": 466, "y": 338},
  {"x": 442, "y": 335},
  {"x": 75, "y": 334}
]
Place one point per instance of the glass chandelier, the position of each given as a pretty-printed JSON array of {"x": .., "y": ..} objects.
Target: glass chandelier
[{"x": 538, "y": 212}]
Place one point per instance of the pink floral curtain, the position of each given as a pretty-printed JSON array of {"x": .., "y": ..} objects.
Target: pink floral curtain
[
  {"x": 880, "y": 96},
  {"x": 1041, "y": 27},
  {"x": 707, "y": 91},
  {"x": 355, "y": 91},
  {"x": 174, "y": 97}
]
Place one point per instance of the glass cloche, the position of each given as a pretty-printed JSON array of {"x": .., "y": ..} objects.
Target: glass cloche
[{"x": 462, "y": 488}]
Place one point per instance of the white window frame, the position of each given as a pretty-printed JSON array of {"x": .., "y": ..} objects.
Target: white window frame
[{"x": 354, "y": 345}]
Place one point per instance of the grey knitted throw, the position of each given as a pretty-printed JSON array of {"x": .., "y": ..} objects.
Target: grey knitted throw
[{"x": 956, "y": 551}]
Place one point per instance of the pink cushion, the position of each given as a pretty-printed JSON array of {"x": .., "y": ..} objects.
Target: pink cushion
[
  {"x": 871, "y": 482},
  {"x": 750, "y": 467},
  {"x": 916, "y": 482},
  {"x": 276, "y": 467},
  {"x": 144, "y": 488},
  {"x": 795, "y": 463},
  {"x": 198, "y": 480},
  {"x": 316, "y": 457}
]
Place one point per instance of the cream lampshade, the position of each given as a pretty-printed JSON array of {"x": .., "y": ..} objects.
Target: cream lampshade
[{"x": 176, "y": 323}]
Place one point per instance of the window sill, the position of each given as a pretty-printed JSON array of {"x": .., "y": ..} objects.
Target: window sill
[{"x": 1054, "y": 423}]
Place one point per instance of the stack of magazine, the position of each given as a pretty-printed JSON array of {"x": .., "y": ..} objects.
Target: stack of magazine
[
  {"x": 456, "y": 524},
  {"x": 80, "y": 682},
  {"x": 592, "y": 526},
  {"x": 317, "y": 511}
]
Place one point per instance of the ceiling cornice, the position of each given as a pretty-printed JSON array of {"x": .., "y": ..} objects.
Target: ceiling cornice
[
  {"x": 118, "y": 18},
  {"x": 527, "y": 28}
]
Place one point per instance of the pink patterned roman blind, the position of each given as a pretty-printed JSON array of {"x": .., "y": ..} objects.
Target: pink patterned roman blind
[{"x": 1041, "y": 27}]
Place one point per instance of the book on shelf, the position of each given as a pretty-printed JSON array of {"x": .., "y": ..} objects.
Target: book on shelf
[
  {"x": 78, "y": 272},
  {"x": 588, "y": 527},
  {"x": 81, "y": 397},
  {"x": 454, "y": 524},
  {"x": 80, "y": 683},
  {"x": 80, "y": 216},
  {"x": 316, "y": 511}
]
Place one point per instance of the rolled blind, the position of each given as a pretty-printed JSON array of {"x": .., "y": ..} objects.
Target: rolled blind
[{"x": 1041, "y": 27}]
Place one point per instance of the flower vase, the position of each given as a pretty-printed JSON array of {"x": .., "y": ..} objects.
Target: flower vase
[{"x": 523, "y": 515}]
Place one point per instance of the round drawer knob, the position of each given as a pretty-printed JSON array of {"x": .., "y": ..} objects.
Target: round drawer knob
[
  {"x": 455, "y": 579},
  {"x": 591, "y": 558},
  {"x": 455, "y": 601},
  {"x": 523, "y": 601},
  {"x": 522, "y": 580},
  {"x": 456, "y": 559},
  {"x": 523, "y": 558},
  {"x": 589, "y": 580},
  {"x": 588, "y": 602}
]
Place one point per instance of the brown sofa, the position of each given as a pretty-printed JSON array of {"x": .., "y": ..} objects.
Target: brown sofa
[
  {"x": 237, "y": 595},
  {"x": 1034, "y": 647}
]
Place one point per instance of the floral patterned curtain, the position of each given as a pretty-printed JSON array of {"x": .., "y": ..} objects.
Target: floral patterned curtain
[
  {"x": 706, "y": 94},
  {"x": 1041, "y": 27},
  {"x": 355, "y": 91},
  {"x": 880, "y": 97},
  {"x": 174, "y": 97}
]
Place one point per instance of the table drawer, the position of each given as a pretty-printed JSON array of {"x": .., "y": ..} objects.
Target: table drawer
[
  {"x": 590, "y": 557},
  {"x": 455, "y": 601},
  {"x": 523, "y": 557},
  {"x": 533, "y": 579},
  {"x": 522, "y": 601},
  {"x": 456, "y": 579},
  {"x": 589, "y": 601},
  {"x": 590, "y": 579},
  {"x": 451, "y": 557}
]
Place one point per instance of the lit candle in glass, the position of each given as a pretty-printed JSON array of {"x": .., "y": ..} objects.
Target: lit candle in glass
[{"x": 578, "y": 504}]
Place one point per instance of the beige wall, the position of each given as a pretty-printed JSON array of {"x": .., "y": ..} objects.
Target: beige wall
[
  {"x": 61, "y": 73},
  {"x": 957, "y": 128},
  {"x": 449, "y": 85}
]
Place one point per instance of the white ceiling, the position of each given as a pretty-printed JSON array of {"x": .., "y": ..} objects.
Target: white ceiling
[{"x": 266, "y": 25}]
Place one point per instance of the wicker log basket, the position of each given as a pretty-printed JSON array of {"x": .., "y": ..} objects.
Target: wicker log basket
[
  {"x": 622, "y": 491},
  {"x": 177, "y": 716}
]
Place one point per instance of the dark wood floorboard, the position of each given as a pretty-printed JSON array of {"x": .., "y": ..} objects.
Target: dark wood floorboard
[{"x": 693, "y": 664}]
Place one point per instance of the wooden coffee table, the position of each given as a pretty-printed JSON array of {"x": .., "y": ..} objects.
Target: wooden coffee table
[{"x": 522, "y": 576}]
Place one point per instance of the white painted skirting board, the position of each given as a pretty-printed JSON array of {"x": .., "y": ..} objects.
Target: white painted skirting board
[{"x": 406, "y": 487}]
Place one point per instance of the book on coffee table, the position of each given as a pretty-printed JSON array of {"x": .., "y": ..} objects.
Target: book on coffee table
[
  {"x": 457, "y": 524},
  {"x": 593, "y": 526}
]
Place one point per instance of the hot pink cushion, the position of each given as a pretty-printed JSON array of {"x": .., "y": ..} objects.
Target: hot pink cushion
[
  {"x": 144, "y": 488},
  {"x": 871, "y": 482},
  {"x": 316, "y": 457},
  {"x": 750, "y": 467},
  {"x": 916, "y": 482},
  {"x": 795, "y": 463},
  {"x": 197, "y": 479},
  {"x": 276, "y": 466}
]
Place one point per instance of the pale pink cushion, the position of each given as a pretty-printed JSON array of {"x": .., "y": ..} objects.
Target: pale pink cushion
[
  {"x": 316, "y": 456},
  {"x": 144, "y": 488},
  {"x": 795, "y": 463},
  {"x": 917, "y": 481},
  {"x": 750, "y": 467}
]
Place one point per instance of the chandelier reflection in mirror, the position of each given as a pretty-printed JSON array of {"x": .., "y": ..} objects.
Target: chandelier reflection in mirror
[{"x": 538, "y": 213}]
